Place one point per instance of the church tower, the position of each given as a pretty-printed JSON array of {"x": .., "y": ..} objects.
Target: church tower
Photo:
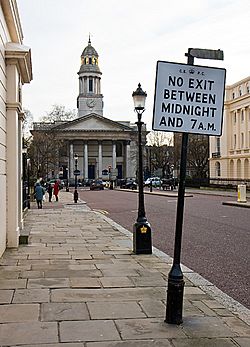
[{"x": 90, "y": 98}]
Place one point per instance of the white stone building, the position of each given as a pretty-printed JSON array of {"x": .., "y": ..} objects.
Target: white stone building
[
  {"x": 16, "y": 69},
  {"x": 230, "y": 153},
  {"x": 99, "y": 142}
]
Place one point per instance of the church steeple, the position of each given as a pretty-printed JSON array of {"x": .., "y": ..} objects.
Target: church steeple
[{"x": 90, "y": 97}]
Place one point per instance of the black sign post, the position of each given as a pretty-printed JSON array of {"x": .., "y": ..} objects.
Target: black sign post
[{"x": 175, "y": 278}]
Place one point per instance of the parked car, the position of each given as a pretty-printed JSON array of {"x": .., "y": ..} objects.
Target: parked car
[
  {"x": 128, "y": 183},
  {"x": 156, "y": 182},
  {"x": 72, "y": 183},
  {"x": 168, "y": 184},
  {"x": 97, "y": 185},
  {"x": 107, "y": 184},
  {"x": 87, "y": 182}
]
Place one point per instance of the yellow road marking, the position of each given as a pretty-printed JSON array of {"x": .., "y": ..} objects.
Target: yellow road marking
[{"x": 101, "y": 211}]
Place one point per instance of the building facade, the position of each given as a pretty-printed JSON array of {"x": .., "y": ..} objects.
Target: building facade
[
  {"x": 16, "y": 69},
  {"x": 230, "y": 153},
  {"x": 101, "y": 144}
]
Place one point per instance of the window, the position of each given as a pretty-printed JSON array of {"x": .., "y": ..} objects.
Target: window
[
  {"x": 248, "y": 89},
  {"x": 218, "y": 144},
  {"x": 233, "y": 95},
  {"x": 242, "y": 116},
  {"x": 118, "y": 149},
  {"x": 242, "y": 140},
  {"x": 234, "y": 141},
  {"x": 240, "y": 92},
  {"x": 217, "y": 169},
  {"x": 235, "y": 117},
  {"x": 90, "y": 61},
  {"x": 91, "y": 85}
]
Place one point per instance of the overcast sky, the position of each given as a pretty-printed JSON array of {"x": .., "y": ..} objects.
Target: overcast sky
[{"x": 129, "y": 36}]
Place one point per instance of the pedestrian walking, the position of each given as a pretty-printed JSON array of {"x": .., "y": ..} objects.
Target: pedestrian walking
[
  {"x": 56, "y": 190},
  {"x": 39, "y": 193},
  {"x": 50, "y": 191}
]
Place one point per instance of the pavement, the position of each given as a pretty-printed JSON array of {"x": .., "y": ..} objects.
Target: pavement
[{"x": 78, "y": 284}]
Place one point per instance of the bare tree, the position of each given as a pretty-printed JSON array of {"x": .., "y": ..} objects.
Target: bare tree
[
  {"x": 159, "y": 138},
  {"x": 27, "y": 124},
  {"x": 160, "y": 152},
  {"x": 198, "y": 152},
  {"x": 44, "y": 153},
  {"x": 59, "y": 113}
]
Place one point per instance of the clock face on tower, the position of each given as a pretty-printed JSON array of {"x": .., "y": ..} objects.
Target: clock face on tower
[{"x": 91, "y": 103}]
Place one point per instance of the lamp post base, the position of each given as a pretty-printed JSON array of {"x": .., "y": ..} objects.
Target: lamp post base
[
  {"x": 75, "y": 196},
  {"x": 142, "y": 240},
  {"x": 175, "y": 296}
]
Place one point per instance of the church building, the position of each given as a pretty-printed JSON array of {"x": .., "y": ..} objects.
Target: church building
[{"x": 102, "y": 145}]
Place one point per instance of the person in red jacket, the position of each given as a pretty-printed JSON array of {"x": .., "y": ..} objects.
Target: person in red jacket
[{"x": 56, "y": 190}]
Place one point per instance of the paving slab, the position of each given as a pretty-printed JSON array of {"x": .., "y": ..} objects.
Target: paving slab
[
  {"x": 153, "y": 308},
  {"x": 64, "y": 311},
  {"x": 31, "y": 296},
  {"x": 85, "y": 282},
  {"x": 242, "y": 341},
  {"x": 147, "y": 328},
  {"x": 31, "y": 333},
  {"x": 118, "y": 282},
  {"x": 48, "y": 283},
  {"x": 206, "y": 327},
  {"x": 115, "y": 310},
  {"x": 132, "y": 343},
  {"x": 19, "y": 313},
  {"x": 80, "y": 344},
  {"x": 203, "y": 342},
  {"x": 95, "y": 330},
  {"x": 12, "y": 283},
  {"x": 6, "y": 296},
  {"x": 147, "y": 281},
  {"x": 117, "y": 294}
]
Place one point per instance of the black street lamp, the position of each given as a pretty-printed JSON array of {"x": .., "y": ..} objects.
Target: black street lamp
[
  {"x": 142, "y": 243},
  {"x": 75, "y": 192}
]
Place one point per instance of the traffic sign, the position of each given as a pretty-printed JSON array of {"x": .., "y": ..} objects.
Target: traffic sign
[
  {"x": 77, "y": 172},
  {"x": 188, "y": 98},
  {"x": 200, "y": 53}
]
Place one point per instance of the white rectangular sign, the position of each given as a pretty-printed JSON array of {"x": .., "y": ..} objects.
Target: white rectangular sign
[{"x": 188, "y": 98}]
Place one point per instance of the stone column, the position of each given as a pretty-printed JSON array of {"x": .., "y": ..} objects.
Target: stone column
[
  {"x": 114, "y": 155},
  {"x": 100, "y": 160},
  {"x": 13, "y": 152},
  {"x": 85, "y": 85},
  {"x": 95, "y": 85},
  {"x": 128, "y": 163},
  {"x": 12, "y": 178},
  {"x": 80, "y": 85},
  {"x": 20, "y": 171},
  {"x": 86, "y": 161},
  {"x": 71, "y": 160},
  {"x": 246, "y": 128}
]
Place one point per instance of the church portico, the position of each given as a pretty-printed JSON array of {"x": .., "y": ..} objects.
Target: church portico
[
  {"x": 96, "y": 156},
  {"x": 106, "y": 149}
]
